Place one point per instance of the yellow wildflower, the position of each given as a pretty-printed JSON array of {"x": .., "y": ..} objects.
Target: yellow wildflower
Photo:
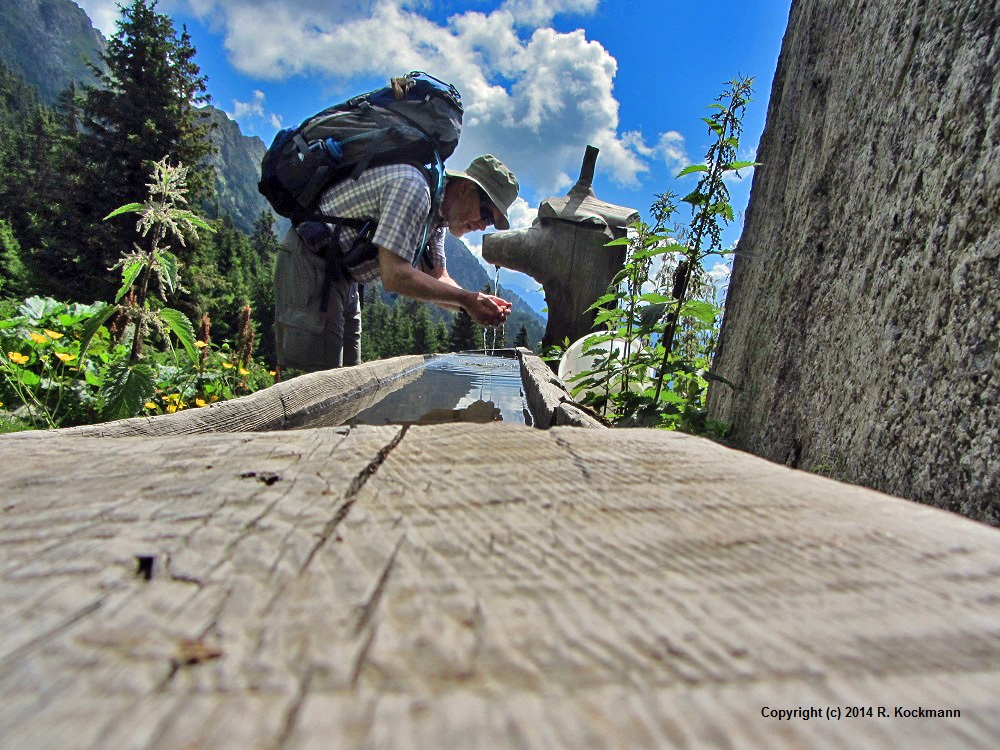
[
  {"x": 64, "y": 357},
  {"x": 39, "y": 338},
  {"x": 52, "y": 334},
  {"x": 227, "y": 365},
  {"x": 172, "y": 397},
  {"x": 199, "y": 402},
  {"x": 244, "y": 372},
  {"x": 171, "y": 408},
  {"x": 272, "y": 373},
  {"x": 200, "y": 344},
  {"x": 149, "y": 405},
  {"x": 17, "y": 358}
]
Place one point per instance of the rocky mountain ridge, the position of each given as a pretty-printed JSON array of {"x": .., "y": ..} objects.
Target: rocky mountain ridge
[{"x": 49, "y": 43}]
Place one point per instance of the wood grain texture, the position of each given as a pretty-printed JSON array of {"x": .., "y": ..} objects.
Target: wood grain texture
[
  {"x": 548, "y": 397},
  {"x": 474, "y": 586},
  {"x": 336, "y": 394}
]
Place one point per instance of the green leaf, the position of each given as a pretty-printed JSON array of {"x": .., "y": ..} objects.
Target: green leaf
[
  {"x": 126, "y": 389},
  {"x": 194, "y": 219},
  {"x": 29, "y": 378},
  {"x": 713, "y": 126},
  {"x": 619, "y": 241},
  {"x": 693, "y": 168},
  {"x": 168, "y": 270},
  {"x": 733, "y": 166},
  {"x": 704, "y": 312},
  {"x": 178, "y": 323},
  {"x": 695, "y": 198},
  {"x": 129, "y": 274},
  {"x": 603, "y": 300},
  {"x": 97, "y": 319},
  {"x": 128, "y": 208},
  {"x": 605, "y": 315},
  {"x": 39, "y": 308},
  {"x": 654, "y": 298}
]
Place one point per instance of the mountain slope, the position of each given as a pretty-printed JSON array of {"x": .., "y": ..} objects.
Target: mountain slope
[
  {"x": 237, "y": 170},
  {"x": 47, "y": 42}
]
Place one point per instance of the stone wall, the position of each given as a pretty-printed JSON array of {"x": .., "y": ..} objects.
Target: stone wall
[{"x": 864, "y": 307}]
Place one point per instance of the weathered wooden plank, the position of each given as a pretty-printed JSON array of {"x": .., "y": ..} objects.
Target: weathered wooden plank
[
  {"x": 337, "y": 395},
  {"x": 548, "y": 398},
  {"x": 478, "y": 586}
]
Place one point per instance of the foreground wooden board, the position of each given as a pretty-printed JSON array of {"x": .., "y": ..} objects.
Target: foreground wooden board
[{"x": 477, "y": 586}]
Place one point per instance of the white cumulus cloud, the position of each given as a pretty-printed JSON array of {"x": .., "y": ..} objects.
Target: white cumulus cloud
[
  {"x": 541, "y": 12},
  {"x": 533, "y": 96},
  {"x": 254, "y": 109},
  {"x": 102, "y": 13}
]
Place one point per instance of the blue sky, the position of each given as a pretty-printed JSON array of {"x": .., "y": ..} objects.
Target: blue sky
[{"x": 540, "y": 78}]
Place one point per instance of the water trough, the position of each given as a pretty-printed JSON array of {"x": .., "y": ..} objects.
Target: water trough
[{"x": 411, "y": 389}]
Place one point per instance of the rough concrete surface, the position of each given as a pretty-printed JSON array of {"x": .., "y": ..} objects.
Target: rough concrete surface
[{"x": 864, "y": 307}]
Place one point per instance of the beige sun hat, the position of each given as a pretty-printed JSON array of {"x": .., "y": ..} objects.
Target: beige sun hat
[{"x": 496, "y": 180}]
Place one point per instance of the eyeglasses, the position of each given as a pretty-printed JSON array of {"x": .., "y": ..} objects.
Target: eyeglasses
[{"x": 485, "y": 208}]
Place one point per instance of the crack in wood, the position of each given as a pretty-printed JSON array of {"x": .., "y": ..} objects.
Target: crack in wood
[
  {"x": 369, "y": 607},
  {"x": 351, "y": 495},
  {"x": 63, "y": 626},
  {"x": 295, "y": 708},
  {"x": 362, "y": 657},
  {"x": 368, "y": 610},
  {"x": 577, "y": 460}
]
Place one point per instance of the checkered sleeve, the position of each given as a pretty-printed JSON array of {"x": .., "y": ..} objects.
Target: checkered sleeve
[
  {"x": 403, "y": 205},
  {"x": 435, "y": 257}
]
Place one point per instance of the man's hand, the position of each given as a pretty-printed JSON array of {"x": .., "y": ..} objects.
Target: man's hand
[
  {"x": 488, "y": 310},
  {"x": 400, "y": 277}
]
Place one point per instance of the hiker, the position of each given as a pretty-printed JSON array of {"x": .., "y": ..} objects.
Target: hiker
[{"x": 395, "y": 199}]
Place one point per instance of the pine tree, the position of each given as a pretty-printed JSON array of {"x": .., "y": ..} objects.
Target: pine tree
[
  {"x": 425, "y": 339},
  {"x": 14, "y": 276},
  {"x": 522, "y": 337},
  {"x": 374, "y": 322},
  {"x": 144, "y": 111},
  {"x": 466, "y": 334},
  {"x": 265, "y": 252}
]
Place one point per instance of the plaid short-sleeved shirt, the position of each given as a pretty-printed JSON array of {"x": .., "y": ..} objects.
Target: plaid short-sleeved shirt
[{"x": 398, "y": 198}]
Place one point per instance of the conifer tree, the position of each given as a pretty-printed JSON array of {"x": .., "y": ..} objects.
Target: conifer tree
[
  {"x": 522, "y": 337},
  {"x": 466, "y": 334},
  {"x": 425, "y": 340},
  {"x": 144, "y": 111}
]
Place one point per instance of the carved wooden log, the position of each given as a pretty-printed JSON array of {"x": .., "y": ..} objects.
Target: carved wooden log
[{"x": 564, "y": 250}]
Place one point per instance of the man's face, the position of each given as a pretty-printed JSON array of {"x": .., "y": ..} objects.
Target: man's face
[{"x": 466, "y": 208}]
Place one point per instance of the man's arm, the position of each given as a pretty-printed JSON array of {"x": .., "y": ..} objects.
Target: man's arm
[{"x": 400, "y": 277}]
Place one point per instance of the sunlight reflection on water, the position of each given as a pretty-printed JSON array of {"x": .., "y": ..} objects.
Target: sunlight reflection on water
[{"x": 464, "y": 387}]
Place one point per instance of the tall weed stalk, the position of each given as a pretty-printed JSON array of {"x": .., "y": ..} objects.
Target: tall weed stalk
[{"x": 652, "y": 363}]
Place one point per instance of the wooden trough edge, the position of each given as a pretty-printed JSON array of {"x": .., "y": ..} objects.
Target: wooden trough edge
[
  {"x": 549, "y": 399},
  {"x": 279, "y": 407},
  {"x": 341, "y": 392}
]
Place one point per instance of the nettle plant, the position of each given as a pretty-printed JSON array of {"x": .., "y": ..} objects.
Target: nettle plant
[
  {"x": 131, "y": 382},
  {"x": 75, "y": 364},
  {"x": 652, "y": 363}
]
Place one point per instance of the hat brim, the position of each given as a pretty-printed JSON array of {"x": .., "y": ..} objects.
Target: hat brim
[{"x": 503, "y": 222}]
